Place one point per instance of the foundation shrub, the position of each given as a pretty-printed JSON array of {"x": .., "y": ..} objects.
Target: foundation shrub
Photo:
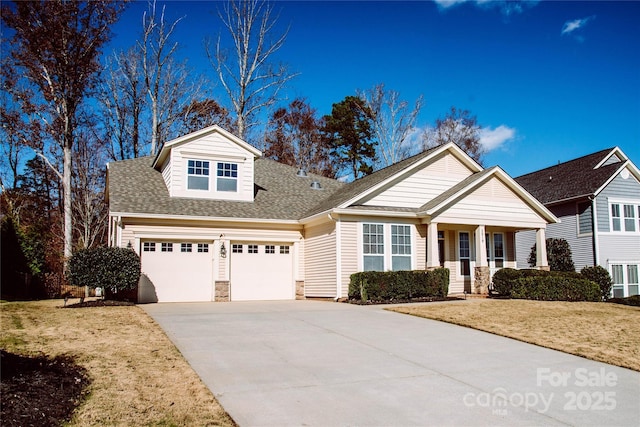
[
  {"x": 116, "y": 270},
  {"x": 601, "y": 276},
  {"x": 399, "y": 285},
  {"x": 555, "y": 287}
]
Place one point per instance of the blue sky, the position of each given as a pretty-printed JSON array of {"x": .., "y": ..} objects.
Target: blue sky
[{"x": 548, "y": 81}]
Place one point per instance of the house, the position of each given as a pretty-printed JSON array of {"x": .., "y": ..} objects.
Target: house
[
  {"x": 597, "y": 198},
  {"x": 215, "y": 221}
]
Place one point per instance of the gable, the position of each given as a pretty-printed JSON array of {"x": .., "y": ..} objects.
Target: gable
[
  {"x": 423, "y": 184},
  {"x": 491, "y": 203}
]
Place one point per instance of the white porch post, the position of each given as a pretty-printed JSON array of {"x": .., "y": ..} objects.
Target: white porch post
[
  {"x": 541, "y": 250},
  {"x": 433, "y": 258},
  {"x": 481, "y": 247}
]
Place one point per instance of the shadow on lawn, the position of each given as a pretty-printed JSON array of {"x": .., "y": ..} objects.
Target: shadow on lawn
[{"x": 39, "y": 391}]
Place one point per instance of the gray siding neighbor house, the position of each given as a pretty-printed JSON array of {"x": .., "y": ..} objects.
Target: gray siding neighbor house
[{"x": 597, "y": 199}]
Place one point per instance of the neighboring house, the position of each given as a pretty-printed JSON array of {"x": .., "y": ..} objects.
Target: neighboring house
[
  {"x": 597, "y": 198},
  {"x": 212, "y": 220}
]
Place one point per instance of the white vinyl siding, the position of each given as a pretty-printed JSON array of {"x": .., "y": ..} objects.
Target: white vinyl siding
[
  {"x": 320, "y": 261},
  {"x": 348, "y": 253},
  {"x": 423, "y": 185}
]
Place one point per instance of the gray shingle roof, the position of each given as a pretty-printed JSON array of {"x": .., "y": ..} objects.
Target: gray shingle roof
[
  {"x": 569, "y": 180},
  {"x": 135, "y": 187}
]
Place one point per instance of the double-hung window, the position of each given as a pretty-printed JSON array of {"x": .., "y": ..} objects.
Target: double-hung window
[
  {"x": 625, "y": 217},
  {"x": 373, "y": 247},
  {"x": 498, "y": 249},
  {"x": 227, "y": 177},
  {"x": 464, "y": 247},
  {"x": 626, "y": 281},
  {"x": 400, "y": 247},
  {"x": 197, "y": 175}
]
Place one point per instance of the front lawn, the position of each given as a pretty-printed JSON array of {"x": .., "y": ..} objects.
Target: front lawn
[
  {"x": 129, "y": 371},
  {"x": 599, "y": 331}
]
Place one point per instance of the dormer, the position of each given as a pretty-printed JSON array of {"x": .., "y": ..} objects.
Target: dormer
[{"x": 208, "y": 164}]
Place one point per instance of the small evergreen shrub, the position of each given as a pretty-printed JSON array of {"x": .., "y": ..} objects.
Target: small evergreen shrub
[
  {"x": 601, "y": 276},
  {"x": 399, "y": 285},
  {"x": 558, "y": 255},
  {"x": 113, "y": 269},
  {"x": 554, "y": 287},
  {"x": 633, "y": 300}
]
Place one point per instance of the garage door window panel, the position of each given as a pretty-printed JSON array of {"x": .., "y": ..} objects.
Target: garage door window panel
[
  {"x": 149, "y": 247},
  {"x": 166, "y": 247},
  {"x": 236, "y": 249},
  {"x": 203, "y": 247},
  {"x": 186, "y": 247},
  {"x": 252, "y": 249}
]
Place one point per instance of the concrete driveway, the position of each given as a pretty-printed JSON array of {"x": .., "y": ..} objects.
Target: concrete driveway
[{"x": 324, "y": 364}]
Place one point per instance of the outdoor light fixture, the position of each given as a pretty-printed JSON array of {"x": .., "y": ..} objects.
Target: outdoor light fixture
[
  {"x": 223, "y": 251},
  {"x": 129, "y": 246}
]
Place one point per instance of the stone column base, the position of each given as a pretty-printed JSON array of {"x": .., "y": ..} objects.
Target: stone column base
[
  {"x": 300, "y": 289},
  {"x": 544, "y": 268},
  {"x": 222, "y": 291},
  {"x": 481, "y": 282}
]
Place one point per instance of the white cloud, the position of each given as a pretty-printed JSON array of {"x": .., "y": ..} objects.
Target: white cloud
[
  {"x": 506, "y": 7},
  {"x": 576, "y": 24},
  {"x": 491, "y": 139}
]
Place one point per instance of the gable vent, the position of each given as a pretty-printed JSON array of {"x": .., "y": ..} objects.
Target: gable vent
[
  {"x": 302, "y": 173},
  {"x": 316, "y": 185}
]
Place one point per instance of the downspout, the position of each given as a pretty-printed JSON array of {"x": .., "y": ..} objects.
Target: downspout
[
  {"x": 594, "y": 228},
  {"x": 338, "y": 258}
]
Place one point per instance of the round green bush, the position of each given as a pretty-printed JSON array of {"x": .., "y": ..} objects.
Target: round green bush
[
  {"x": 599, "y": 275},
  {"x": 113, "y": 269}
]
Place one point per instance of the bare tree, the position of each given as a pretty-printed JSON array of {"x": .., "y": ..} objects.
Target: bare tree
[
  {"x": 200, "y": 114},
  {"x": 56, "y": 44},
  {"x": 122, "y": 95},
  {"x": 294, "y": 137},
  {"x": 393, "y": 123},
  {"x": 252, "y": 82},
  {"x": 460, "y": 127},
  {"x": 167, "y": 81}
]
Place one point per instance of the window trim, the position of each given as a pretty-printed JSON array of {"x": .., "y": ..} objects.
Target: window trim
[
  {"x": 387, "y": 245},
  {"x": 624, "y": 285},
  {"x": 460, "y": 257},
  {"x": 196, "y": 175},
  {"x": 621, "y": 203},
  {"x": 236, "y": 179}
]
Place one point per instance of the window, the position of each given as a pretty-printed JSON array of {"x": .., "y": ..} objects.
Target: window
[
  {"x": 197, "y": 175},
  {"x": 236, "y": 249},
  {"x": 629, "y": 218},
  {"x": 465, "y": 253},
  {"x": 203, "y": 247},
  {"x": 269, "y": 249},
  {"x": 632, "y": 279},
  {"x": 584, "y": 218},
  {"x": 373, "y": 247},
  {"x": 252, "y": 249},
  {"x": 166, "y": 247},
  {"x": 498, "y": 249},
  {"x": 149, "y": 247},
  {"x": 227, "y": 177},
  {"x": 284, "y": 249},
  {"x": 186, "y": 247},
  {"x": 615, "y": 217},
  {"x": 400, "y": 247},
  {"x": 441, "y": 247}
]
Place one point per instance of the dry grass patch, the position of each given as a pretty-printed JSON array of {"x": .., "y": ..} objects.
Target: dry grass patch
[
  {"x": 604, "y": 332},
  {"x": 137, "y": 375}
]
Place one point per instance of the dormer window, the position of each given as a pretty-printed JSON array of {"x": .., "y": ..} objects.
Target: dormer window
[
  {"x": 227, "y": 177},
  {"x": 198, "y": 175}
]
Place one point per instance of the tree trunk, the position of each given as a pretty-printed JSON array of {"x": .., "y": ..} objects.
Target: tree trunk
[{"x": 66, "y": 190}]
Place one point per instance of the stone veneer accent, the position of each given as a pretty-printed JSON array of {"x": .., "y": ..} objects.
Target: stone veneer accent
[
  {"x": 222, "y": 291},
  {"x": 300, "y": 289},
  {"x": 482, "y": 277}
]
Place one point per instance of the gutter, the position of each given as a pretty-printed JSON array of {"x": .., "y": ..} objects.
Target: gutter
[{"x": 594, "y": 226}]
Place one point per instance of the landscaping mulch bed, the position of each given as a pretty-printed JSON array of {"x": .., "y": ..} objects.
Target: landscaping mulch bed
[
  {"x": 401, "y": 301},
  {"x": 98, "y": 303},
  {"x": 39, "y": 391}
]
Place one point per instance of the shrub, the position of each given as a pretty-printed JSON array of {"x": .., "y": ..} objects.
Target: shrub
[
  {"x": 400, "y": 285},
  {"x": 599, "y": 275},
  {"x": 113, "y": 269},
  {"x": 555, "y": 287},
  {"x": 633, "y": 300},
  {"x": 558, "y": 255}
]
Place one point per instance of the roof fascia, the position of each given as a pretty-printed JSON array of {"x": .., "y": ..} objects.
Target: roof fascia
[
  {"x": 457, "y": 151},
  {"x": 205, "y": 218},
  {"x": 510, "y": 182},
  {"x": 167, "y": 146},
  {"x": 611, "y": 153}
]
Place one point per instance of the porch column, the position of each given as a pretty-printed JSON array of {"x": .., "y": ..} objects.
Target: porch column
[
  {"x": 541, "y": 250},
  {"x": 481, "y": 269},
  {"x": 433, "y": 258}
]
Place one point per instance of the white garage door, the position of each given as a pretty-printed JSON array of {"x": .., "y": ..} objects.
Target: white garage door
[
  {"x": 261, "y": 271},
  {"x": 176, "y": 272}
]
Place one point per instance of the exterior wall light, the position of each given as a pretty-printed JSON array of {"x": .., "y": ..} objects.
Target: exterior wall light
[{"x": 223, "y": 251}]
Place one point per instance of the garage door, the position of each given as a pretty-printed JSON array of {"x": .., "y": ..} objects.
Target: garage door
[
  {"x": 176, "y": 272},
  {"x": 261, "y": 271}
]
